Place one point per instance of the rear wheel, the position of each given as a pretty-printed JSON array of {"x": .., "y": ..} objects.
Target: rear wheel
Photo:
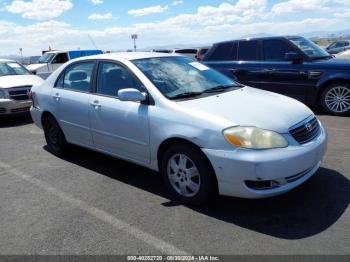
[
  {"x": 335, "y": 99},
  {"x": 188, "y": 174},
  {"x": 54, "y": 136}
]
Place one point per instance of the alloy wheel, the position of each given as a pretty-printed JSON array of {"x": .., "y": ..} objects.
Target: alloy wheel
[
  {"x": 337, "y": 99},
  {"x": 183, "y": 175}
]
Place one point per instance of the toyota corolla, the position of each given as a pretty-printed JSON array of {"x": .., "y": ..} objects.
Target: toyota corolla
[{"x": 204, "y": 132}]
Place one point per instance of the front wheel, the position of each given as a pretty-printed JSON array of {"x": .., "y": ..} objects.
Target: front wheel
[
  {"x": 188, "y": 174},
  {"x": 335, "y": 99}
]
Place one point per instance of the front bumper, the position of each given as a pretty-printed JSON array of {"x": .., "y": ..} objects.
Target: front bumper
[
  {"x": 14, "y": 107},
  {"x": 287, "y": 167}
]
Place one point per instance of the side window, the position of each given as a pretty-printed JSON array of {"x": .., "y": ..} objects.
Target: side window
[
  {"x": 78, "y": 77},
  {"x": 113, "y": 77},
  {"x": 275, "y": 50},
  {"x": 60, "y": 58},
  {"x": 224, "y": 52},
  {"x": 60, "y": 81},
  {"x": 339, "y": 44},
  {"x": 248, "y": 50}
]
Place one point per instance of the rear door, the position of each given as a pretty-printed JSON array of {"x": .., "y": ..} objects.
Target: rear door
[
  {"x": 119, "y": 127},
  {"x": 281, "y": 76},
  {"x": 237, "y": 60},
  {"x": 71, "y": 102},
  {"x": 247, "y": 70}
]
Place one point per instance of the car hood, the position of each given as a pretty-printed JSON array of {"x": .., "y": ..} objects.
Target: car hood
[
  {"x": 34, "y": 67},
  {"x": 251, "y": 107},
  {"x": 19, "y": 80},
  {"x": 334, "y": 63}
]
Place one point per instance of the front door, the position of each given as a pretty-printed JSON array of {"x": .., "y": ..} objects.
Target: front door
[
  {"x": 119, "y": 127},
  {"x": 281, "y": 76}
]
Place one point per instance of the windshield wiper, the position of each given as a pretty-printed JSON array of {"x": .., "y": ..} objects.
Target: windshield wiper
[
  {"x": 220, "y": 88},
  {"x": 322, "y": 57},
  {"x": 186, "y": 95}
]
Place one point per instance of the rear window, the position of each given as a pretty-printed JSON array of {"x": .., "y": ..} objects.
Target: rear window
[
  {"x": 248, "y": 50},
  {"x": 223, "y": 52}
]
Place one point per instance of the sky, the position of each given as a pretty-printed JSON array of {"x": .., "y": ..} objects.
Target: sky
[{"x": 36, "y": 25}]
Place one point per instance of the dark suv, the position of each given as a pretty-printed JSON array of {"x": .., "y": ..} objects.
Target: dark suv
[{"x": 292, "y": 65}]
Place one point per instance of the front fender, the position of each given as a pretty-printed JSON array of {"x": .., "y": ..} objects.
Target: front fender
[{"x": 341, "y": 76}]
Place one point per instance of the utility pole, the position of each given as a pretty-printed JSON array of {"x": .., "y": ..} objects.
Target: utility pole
[
  {"x": 134, "y": 37},
  {"x": 21, "y": 52}
]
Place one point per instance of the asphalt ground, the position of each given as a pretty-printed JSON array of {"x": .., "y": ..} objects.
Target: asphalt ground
[{"x": 91, "y": 204}]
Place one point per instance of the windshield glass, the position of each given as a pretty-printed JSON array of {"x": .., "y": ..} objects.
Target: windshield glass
[
  {"x": 174, "y": 76},
  {"x": 46, "y": 58},
  {"x": 309, "y": 48},
  {"x": 12, "y": 68}
]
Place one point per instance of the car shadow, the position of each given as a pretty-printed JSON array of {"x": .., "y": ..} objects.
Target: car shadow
[
  {"x": 306, "y": 211},
  {"x": 13, "y": 121}
]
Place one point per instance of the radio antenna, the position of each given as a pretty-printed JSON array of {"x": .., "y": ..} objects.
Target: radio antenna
[{"x": 92, "y": 41}]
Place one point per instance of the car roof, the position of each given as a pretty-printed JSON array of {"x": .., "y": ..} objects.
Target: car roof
[
  {"x": 128, "y": 55},
  {"x": 259, "y": 38}
]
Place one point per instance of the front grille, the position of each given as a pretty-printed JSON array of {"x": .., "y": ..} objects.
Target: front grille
[
  {"x": 19, "y": 93},
  {"x": 20, "y": 110},
  {"x": 307, "y": 131},
  {"x": 2, "y": 110}
]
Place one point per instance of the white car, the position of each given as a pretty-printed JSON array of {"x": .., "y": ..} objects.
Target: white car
[
  {"x": 343, "y": 55},
  {"x": 204, "y": 132},
  {"x": 15, "y": 84}
]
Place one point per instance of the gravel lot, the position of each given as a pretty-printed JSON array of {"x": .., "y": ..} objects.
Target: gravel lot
[{"x": 89, "y": 203}]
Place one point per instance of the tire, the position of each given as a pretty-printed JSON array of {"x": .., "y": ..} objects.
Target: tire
[
  {"x": 335, "y": 99},
  {"x": 175, "y": 172},
  {"x": 54, "y": 136}
]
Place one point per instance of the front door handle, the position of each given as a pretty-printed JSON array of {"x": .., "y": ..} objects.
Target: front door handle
[
  {"x": 269, "y": 71},
  {"x": 95, "y": 104},
  {"x": 56, "y": 96}
]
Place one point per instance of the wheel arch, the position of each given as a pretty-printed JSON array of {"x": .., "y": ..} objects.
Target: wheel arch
[
  {"x": 177, "y": 140},
  {"x": 329, "y": 82},
  {"x": 44, "y": 115}
]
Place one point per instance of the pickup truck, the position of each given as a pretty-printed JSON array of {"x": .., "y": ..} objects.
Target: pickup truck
[
  {"x": 52, "y": 60},
  {"x": 289, "y": 65}
]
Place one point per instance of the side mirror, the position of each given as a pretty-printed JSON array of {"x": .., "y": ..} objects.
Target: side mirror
[
  {"x": 293, "y": 57},
  {"x": 131, "y": 94}
]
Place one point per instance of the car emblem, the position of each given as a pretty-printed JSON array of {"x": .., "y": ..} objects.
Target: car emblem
[{"x": 308, "y": 127}]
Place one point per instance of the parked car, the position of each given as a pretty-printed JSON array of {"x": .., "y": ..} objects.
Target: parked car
[
  {"x": 338, "y": 46},
  {"x": 190, "y": 52},
  {"x": 292, "y": 66},
  {"x": 343, "y": 55},
  {"x": 15, "y": 83},
  {"x": 166, "y": 51},
  {"x": 201, "y": 52},
  {"x": 51, "y": 60},
  {"x": 204, "y": 132}
]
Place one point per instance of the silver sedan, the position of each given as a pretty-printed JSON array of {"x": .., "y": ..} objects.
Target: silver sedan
[{"x": 204, "y": 132}]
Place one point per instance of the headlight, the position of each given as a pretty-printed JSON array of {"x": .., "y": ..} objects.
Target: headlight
[
  {"x": 254, "y": 138},
  {"x": 3, "y": 94}
]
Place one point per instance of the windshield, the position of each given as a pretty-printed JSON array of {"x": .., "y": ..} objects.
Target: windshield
[
  {"x": 46, "y": 58},
  {"x": 176, "y": 76},
  {"x": 309, "y": 48},
  {"x": 12, "y": 68}
]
